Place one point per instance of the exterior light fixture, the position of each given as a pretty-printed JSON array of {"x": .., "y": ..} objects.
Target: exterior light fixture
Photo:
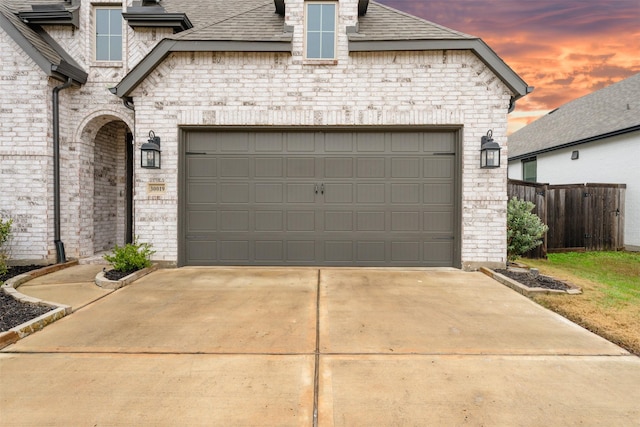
[
  {"x": 150, "y": 152},
  {"x": 489, "y": 152}
]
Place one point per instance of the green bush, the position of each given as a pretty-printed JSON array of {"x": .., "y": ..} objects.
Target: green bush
[
  {"x": 5, "y": 232},
  {"x": 524, "y": 228},
  {"x": 130, "y": 257}
]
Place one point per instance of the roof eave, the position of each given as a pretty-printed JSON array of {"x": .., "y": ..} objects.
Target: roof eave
[
  {"x": 51, "y": 17},
  {"x": 165, "y": 47},
  {"x": 178, "y": 21},
  {"x": 509, "y": 77},
  {"x": 578, "y": 142},
  {"x": 62, "y": 71}
]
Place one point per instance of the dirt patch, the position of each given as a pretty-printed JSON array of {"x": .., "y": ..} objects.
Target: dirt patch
[{"x": 117, "y": 275}]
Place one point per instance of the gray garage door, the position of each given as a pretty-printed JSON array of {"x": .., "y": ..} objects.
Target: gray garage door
[{"x": 318, "y": 198}]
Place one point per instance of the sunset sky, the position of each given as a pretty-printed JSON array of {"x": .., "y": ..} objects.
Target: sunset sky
[{"x": 564, "y": 48}]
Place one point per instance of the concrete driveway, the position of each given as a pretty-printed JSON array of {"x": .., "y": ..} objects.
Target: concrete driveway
[{"x": 326, "y": 347}]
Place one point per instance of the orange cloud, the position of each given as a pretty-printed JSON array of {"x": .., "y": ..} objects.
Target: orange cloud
[{"x": 564, "y": 49}]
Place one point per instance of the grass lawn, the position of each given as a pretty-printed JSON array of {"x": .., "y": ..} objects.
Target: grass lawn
[{"x": 610, "y": 302}]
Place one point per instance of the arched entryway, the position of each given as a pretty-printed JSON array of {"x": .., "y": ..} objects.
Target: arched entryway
[{"x": 107, "y": 194}]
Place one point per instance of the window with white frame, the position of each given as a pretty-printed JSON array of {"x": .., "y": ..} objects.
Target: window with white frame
[
  {"x": 108, "y": 27},
  {"x": 320, "y": 30}
]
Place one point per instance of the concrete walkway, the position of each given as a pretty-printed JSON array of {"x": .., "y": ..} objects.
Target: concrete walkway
[{"x": 304, "y": 347}]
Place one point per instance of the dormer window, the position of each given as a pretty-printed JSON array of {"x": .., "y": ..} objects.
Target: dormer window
[
  {"x": 108, "y": 26},
  {"x": 320, "y": 30}
]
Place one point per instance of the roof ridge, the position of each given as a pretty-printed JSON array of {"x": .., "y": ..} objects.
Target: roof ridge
[
  {"x": 417, "y": 18},
  {"x": 228, "y": 18}
]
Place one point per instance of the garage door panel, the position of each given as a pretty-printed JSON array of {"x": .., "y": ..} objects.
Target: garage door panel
[
  {"x": 338, "y": 193},
  {"x": 338, "y": 167},
  {"x": 301, "y": 251},
  {"x": 202, "y": 251},
  {"x": 438, "y": 167},
  {"x": 301, "y": 167},
  {"x": 406, "y": 142},
  {"x": 319, "y": 198},
  {"x": 339, "y": 142},
  {"x": 370, "y": 142},
  {"x": 234, "y": 250},
  {"x": 234, "y": 221},
  {"x": 437, "y": 253},
  {"x": 198, "y": 192},
  {"x": 370, "y": 221},
  {"x": 269, "y": 167},
  {"x": 233, "y": 167},
  {"x": 438, "y": 193},
  {"x": 300, "y": 142},
  {"x": 371, "y": 251},
  {"x": 371, "y": 167},
  {"x": 234, "y": 193},
  {"x": 405, "y": 251},
  {"x": 269, "y": 142},
  {"x": 202, "y": 167},
  {"x": 269, "y": 193},
  {"x": 439, "y": 222},
  {"x": 269, "y": 221},
  {"x": 405, "y": 221},
  {"x": 301, "y": 221},
  {"x": 202, "y": 221},
  {"x": 338, "y": 221},
  {"x": 233, "y": 142},
  {"x": 338, "y": 251},
  {"x": 269, "y": 250},
  {"x": 405, "y": 193},
  {"x": 405, "y": 167},
  {"x": 301, "y": 193}
]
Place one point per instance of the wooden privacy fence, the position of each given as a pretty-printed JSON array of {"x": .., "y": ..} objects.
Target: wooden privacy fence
[{"x": 580, "y": 216}]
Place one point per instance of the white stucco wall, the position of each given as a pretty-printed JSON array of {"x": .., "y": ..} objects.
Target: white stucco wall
[{"x": 613, "y": 160}]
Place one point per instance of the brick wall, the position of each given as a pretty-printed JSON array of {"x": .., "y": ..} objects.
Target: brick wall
[{"x": 363, "y": 89}]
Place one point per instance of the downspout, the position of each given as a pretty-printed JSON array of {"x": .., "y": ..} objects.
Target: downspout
[{"x": 60, "y": 255}]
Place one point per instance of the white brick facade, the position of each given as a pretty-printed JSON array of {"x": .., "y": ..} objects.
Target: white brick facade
[{"x": 428, "y": 88}]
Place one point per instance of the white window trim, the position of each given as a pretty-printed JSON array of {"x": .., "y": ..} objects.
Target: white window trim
[
  {"x": 321, "y": 61},
  {"x": 94, "y": 32}
]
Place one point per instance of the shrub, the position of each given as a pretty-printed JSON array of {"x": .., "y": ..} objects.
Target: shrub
[
  {"x": 130, "y": 257},
  {"x": 524, "y": 228},
  {"x": 5, "y": 232}
]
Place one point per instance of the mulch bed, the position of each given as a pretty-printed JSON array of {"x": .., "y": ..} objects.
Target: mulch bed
[
  {"x": 117, "y": 275},
  {"x": 14, "y": 312},
  {"x": 531, "y": 281}
]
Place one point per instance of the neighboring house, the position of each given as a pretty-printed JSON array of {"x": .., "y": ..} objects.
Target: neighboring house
[
  {"x": 594, "y": 139},
  {"x": 292, "y": 132}
]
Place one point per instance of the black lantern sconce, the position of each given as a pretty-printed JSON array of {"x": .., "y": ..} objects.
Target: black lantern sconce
[
  {"x": 489, "y": 152},
  {"x": 150, "y": 152}
]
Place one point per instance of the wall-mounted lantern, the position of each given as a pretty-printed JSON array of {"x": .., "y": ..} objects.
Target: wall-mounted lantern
[
  {"x": 489, "y": 152},
  {"x": 150, "y": 152}
]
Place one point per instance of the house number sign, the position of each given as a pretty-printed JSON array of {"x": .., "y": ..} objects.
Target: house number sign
[{"x": 156, "y": 188}]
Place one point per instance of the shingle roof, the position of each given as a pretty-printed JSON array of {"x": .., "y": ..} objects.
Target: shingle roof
[
  {"x": 385, "y": 23},
  {"x": 251, "y": 20},
  {"x": 46, "y": 53},
  {"x": 609, "y": 111}
]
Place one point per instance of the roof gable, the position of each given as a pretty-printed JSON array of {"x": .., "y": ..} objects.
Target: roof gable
[
  {"x": 44, "y": 51},
  {"x": 610, "y": 111}
]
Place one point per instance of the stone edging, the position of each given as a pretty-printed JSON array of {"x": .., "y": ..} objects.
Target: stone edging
[
  {"x": 10, "y": 287},
  {"x": 525, "y": 290},
  {"x": 105, "y": 283}
]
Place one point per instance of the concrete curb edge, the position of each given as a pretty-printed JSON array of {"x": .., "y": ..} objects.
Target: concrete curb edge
[
  {"x": 525, "y": 290},
  {"x": 10, "y": 287},
  {"x": 105, "y": 283}
]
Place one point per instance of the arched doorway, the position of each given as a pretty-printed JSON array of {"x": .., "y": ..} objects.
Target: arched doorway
[
  {"x": 112, "y": 186},
  {"x": 106, "y": 183}
]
